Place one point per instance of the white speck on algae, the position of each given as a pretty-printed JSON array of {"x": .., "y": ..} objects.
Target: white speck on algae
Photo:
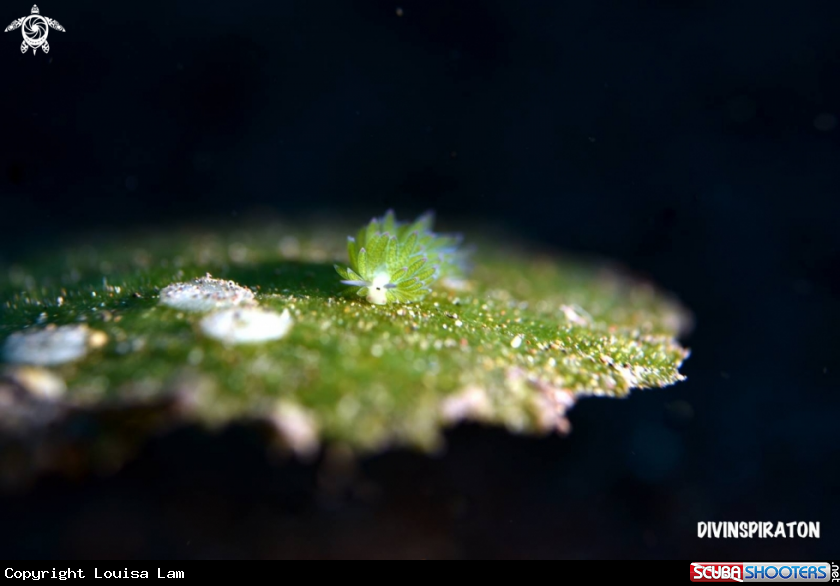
[
  {"x": 206, "y": 294},
  {"x": 470, "y": 403},
  {"x": 247, "y": 325},
  {"x": 52, "y": 345},
  {"x": 297, "y": 428},
  {"x": 39, "y": 381}
]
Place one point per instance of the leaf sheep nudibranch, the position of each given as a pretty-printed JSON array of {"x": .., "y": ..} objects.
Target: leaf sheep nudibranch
[{"x": 397, "y": 262}]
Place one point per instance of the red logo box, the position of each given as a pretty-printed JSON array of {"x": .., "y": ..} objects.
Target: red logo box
[{"x": 712, "y": 572}]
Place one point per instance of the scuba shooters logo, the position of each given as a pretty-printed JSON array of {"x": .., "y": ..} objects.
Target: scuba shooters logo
[{"x": 791, "y": 572}]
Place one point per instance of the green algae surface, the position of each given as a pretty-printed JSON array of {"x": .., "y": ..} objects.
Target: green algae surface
[{"x": 515, "y": 344}]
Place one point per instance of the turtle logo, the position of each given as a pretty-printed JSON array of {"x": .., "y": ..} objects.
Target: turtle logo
[{"x": 35, "y": 29}]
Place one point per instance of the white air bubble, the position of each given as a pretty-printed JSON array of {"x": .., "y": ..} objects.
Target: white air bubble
[
  {"x": 205, "y": 294},
  {"x": 247, "y": 325},
  {"x": 49, "y": 346}
]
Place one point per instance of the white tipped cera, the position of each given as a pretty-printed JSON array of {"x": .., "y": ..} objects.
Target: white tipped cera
[{"x": 247, "y": 325}]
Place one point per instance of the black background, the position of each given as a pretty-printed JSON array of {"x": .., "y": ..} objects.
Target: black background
[{"x": 693, "y": 141}]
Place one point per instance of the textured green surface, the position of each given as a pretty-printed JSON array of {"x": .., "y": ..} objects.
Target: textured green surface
[{"x": 514, "y": 345}]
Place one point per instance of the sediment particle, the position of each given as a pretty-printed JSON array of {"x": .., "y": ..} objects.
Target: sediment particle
[
  {"x": 41, "y": 382},
  {"x": 297, "y": 427}
]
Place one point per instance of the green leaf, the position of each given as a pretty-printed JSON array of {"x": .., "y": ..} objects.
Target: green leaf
[
  {"x": 408, "y": 247},
  {"x": 376, "y": 256},
  {"x": 416, "y": 265},
  {"x": 353, "y": 252},
  {"x": 423, "y": 223},
  {"x": 392, "y": 254},
  {"x": 426, "y": 273},
  {"x": 389, "y": 223},
  {"x": 362, "y": 263}
]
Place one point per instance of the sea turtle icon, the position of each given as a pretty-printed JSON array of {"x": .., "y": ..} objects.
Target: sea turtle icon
[{"x": 35, "y": 29}]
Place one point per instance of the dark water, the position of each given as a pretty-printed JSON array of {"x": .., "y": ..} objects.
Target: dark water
[{"x": 695, "y": 142}]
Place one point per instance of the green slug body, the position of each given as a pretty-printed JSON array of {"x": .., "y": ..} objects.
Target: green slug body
[{"x": 397, "y": 262}]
